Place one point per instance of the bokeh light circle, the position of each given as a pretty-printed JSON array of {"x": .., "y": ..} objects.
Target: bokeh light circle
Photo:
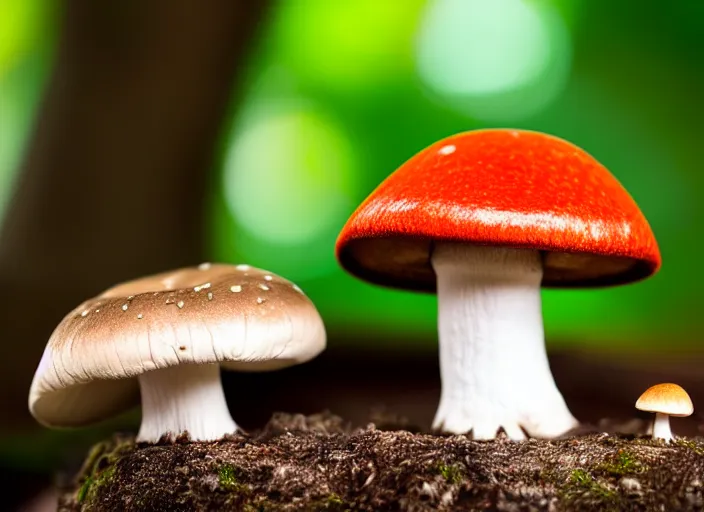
[
  {"x": 495, "y": 60},
  {"x": 288, "y": 177},
  {"x": 289, "y": 182}
]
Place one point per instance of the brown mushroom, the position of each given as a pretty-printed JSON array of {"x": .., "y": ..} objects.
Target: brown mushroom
[
  {"x": 665, "y": 400},
  {"x": 167, "y": 336}
]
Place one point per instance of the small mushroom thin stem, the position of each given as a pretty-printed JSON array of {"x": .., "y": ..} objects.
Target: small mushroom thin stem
[
  {"x": 494, "y": 367},
  {"x": 661, "y": 427},
  {"x": 185, "y": 398}
]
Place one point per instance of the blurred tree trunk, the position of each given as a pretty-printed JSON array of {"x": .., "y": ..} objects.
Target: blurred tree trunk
[{"x": 113, "y": 185}]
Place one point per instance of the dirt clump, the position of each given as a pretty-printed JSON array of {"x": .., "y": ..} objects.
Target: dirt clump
[{"x": 320, "y": 463}]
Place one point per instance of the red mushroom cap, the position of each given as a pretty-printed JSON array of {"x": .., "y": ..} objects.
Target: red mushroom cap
[{"x": 506, "y": 188}]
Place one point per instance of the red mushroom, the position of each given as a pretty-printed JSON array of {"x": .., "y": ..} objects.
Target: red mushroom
[{"x": 484, "y": 218}]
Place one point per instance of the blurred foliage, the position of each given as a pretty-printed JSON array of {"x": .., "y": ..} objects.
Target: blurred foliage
[
  {"x": 338, "y": 94},
  {"x": 382, "y": 82},
  {"x": 26, "y": 42}
]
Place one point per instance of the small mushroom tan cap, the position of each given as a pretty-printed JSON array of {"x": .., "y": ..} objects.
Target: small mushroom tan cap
[
  {"x": 666, "y": 398},
  {"x": 240, "y": 317}
]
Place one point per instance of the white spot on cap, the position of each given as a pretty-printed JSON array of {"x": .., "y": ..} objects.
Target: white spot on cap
[
  {"x": 236, "y": 289},
  {"x": 140, "y": 316},
  {"x": 447, "y": 150},
  {"x": 210, "y": 296},
  {"x": 243, "y": 267},
  {"x": 596, "y": 231},
  {"x": 204, "y": 266},
  {"x": 97, "y": 310},
  {"x": 84, "y": 312},
  {"x": 264, "y": 287},
  {"x": 201, "y": 287},
  {"x": 260, "y": 300},
  {"x": 626, "y": 228},
  {"x": 130, "y": 297},
  {"x": 268, "y": 278},
  {"x": 124, "y": 307},
  {"x": 180, "y": 304}
]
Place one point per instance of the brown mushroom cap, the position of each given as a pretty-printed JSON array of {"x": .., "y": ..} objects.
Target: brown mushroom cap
[
  {"x": 238, "y": 316},
  {"x": 666, "y": 398}
]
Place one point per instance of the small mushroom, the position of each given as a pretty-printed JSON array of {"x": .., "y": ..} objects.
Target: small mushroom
[
  {"x": 665, "y": 400},
  {"x": 485, "y": 218},
  {"x": 167, "y": 336}
]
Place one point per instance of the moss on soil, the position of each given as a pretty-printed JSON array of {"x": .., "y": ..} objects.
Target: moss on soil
[{"x": 318, "y": 463}]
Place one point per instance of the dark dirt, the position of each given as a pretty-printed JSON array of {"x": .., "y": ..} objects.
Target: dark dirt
[{"x": 319, "y": 463}]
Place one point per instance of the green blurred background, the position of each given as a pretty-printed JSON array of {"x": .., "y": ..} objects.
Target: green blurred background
[
  {"x": 336, "y": 95},
  {"x": 341, "y": 93}
]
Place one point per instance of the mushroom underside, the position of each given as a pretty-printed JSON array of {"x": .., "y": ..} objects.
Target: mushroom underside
[
  {"x": 402, "y": 261},
  {"x": 84, "y": 403}
]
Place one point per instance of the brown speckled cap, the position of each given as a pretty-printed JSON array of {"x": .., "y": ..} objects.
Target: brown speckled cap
[
  {"x": 666, "y": 398},
  {"x": 239, "y": 316}
]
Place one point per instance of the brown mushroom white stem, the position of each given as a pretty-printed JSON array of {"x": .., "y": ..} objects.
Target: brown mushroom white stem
[
  {"x": 661, "y": 427},
  {"x": 494, "y": 367},
  {"x": 665, "y": 400},
  {"x": 171, "y": 333},
  {"x": 187, "y": 398}
]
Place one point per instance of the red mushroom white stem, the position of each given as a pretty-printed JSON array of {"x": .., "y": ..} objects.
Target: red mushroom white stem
[
  {"x": 185, "y": 398},
  {"x": 494, "y": 367}
]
